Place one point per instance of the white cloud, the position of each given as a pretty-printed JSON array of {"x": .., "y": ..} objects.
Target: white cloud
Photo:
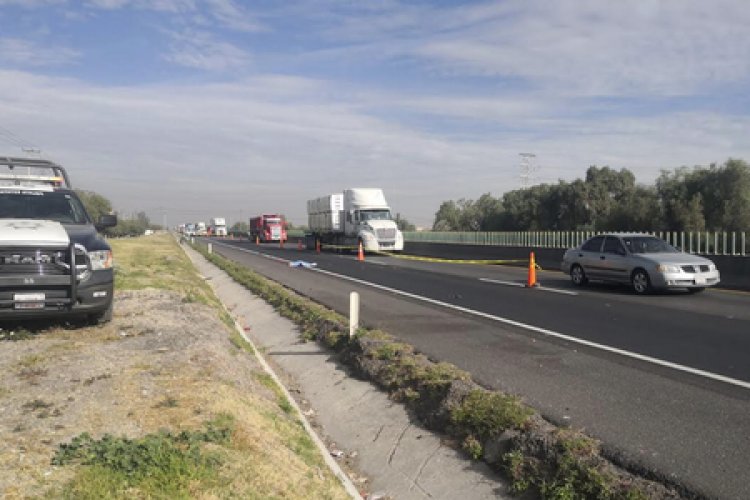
[
  {"x": 229, "y": 14},
  {"x": 156, "y": 5},
  {"x": 201, "y": 50},
  {"x": 26, "y": 53},
  {"x": 271, "y": 143},
  {"x": 570, "y": 46}
]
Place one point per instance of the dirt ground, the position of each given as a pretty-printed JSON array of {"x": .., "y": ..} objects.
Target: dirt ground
[{"x": 162, "y": 362}]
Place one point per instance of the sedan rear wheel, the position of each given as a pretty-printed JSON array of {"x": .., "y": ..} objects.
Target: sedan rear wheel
[
  {"x": 578, "y": 276},
  {"x": 641, "y": 282}
]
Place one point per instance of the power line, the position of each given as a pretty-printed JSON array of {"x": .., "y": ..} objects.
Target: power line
[{"x": 15, "y": 140}]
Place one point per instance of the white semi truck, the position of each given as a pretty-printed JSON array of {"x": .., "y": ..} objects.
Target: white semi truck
[
  {"x": 357, "y": 214},
  {"x": 218, "y": 226}
]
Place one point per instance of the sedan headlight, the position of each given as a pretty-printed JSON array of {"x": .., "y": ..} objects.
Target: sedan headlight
[
  {"x": 712, "y": 267},
  {"x": 664, "y": 268},
  {"x": 100, "y": 259}
]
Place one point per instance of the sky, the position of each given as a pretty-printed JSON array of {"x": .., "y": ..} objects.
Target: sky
[{"x": 193, "y": 109}]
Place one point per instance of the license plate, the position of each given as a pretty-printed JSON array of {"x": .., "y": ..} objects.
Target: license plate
[
  {"x": 29, "y": 305},
  {"x": 28, "y": 297},
  {"x": 700, "y": 281}
]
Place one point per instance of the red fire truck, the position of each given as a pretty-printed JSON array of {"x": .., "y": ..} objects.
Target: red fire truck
[{"x": 268, "y": 228}]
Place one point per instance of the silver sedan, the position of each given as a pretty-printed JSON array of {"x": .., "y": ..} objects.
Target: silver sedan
[{"x": 645, "y": 262}]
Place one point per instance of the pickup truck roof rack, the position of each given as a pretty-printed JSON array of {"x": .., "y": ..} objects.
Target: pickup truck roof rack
[{"x": 32, "y": 172}]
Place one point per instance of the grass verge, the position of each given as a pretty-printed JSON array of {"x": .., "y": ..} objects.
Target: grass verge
[
  {"x": 497, "y": 428},
  {"x": 202, "y": 433}
]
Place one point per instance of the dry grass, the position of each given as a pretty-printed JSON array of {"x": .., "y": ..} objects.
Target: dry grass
[{"x": 166, "y": 361}]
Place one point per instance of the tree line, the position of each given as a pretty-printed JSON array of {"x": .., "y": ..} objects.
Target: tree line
[
  {"x": 685, "y": 199},
  {"x": 97, "y": 205}
]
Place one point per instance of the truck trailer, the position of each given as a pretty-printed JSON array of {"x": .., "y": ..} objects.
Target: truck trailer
[
  {"x": 353, "y": 216},
  {"x": 267, "y": 228}
]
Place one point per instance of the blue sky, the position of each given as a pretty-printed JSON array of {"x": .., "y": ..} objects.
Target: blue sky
[{"x": 193, "y": 109}]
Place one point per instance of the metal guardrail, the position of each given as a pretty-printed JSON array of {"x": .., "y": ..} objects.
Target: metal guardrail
[{"x": 699, "y": 242}]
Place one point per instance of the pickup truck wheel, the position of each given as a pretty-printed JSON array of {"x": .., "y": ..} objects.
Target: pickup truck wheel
[{"x": 102, "y": 317}]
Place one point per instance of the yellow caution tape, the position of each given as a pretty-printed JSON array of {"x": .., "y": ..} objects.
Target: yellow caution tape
[
  {"x": 437, "y": 259},
  {"x": 457, "y": 261}
]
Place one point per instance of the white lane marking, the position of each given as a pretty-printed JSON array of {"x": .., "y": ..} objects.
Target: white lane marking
[
  {"x": 515, "y": 283},
  {"x": 501, "y": 282},
  {"x": 557, "y": 290},
  {"x": 536, "y": 329}
]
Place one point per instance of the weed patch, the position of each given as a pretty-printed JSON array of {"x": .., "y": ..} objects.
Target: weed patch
[
  {"x": 281, "y": 399},
  {"x": 164, "y": 465}
]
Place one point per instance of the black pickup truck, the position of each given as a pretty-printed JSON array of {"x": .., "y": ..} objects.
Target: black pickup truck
[{"x": 53, "y": 262}]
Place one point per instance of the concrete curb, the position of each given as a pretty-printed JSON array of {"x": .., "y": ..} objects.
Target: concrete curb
[{"x": 330, "y": 462}]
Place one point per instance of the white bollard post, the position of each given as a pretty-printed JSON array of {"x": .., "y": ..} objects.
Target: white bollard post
[
  {"x": 210, "y": 248},
  {"x": 353, "y": 313},
  {"x": 192, "y": 240}
]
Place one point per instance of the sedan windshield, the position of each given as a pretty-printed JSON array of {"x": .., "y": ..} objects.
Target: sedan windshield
[
  {"x": 48, "y": 205},
  {"x": 647, "y": 244}
]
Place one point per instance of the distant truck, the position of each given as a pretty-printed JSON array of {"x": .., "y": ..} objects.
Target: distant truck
[
  {"x": 200, "y": 229},
  {"x": 267, "y": 227},
  {"x": 218, "y": 226},
  {"x": 357, "y": 214}
]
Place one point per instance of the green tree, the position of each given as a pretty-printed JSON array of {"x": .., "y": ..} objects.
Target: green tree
[
  {"x": 447, "y": 218},
  {"x": 239, "y": 227},
  {"x": 403, "y": 224},
  {"x": 96, "y": 205}
]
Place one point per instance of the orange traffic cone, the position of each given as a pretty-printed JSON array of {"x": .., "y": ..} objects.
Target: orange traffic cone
[
  {"x": 299, "y": 245},
  {"x": 532, "y": 272},
  {"x": 361, "y": 253},
  {"x": 317, "y": 246},
  {"x": 257, "y": 239}
]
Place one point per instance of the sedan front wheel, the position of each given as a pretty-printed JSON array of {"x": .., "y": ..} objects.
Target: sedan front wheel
[{"x": 641, "y": 282}]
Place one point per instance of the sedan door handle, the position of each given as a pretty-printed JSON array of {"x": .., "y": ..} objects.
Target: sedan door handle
[
  {"x": 580, "y": 255},
  {"x": 602, "y": 257}
]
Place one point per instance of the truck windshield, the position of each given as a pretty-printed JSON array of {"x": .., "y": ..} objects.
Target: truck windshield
[
  {"x": 273, "y": 221},
  {"x": 375, "y": 215},
  {"x": 56, "y": 206}
]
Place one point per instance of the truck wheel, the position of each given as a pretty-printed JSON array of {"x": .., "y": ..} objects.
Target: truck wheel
[{"x": 104, "y": 316}]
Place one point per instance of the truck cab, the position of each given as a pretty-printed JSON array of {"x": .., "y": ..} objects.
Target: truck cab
[
  {"x": 268, "y": 228},
  {"x": 218, "y": 226},
  {"x": 53, "y": 262},
  {"x": 367, "y": 217}
]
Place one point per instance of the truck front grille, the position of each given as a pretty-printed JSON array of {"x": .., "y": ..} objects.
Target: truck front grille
[
  {"x": 48, "y": 262},
  {"x": 386, "y": 234},
  {"x": 41, "y": 261}
]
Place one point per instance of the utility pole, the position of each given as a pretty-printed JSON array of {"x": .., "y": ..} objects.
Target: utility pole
[{"x": 528, "y": 170}]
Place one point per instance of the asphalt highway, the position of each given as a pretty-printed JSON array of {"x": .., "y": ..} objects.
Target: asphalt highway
[{"x": 662, "y": 380}]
